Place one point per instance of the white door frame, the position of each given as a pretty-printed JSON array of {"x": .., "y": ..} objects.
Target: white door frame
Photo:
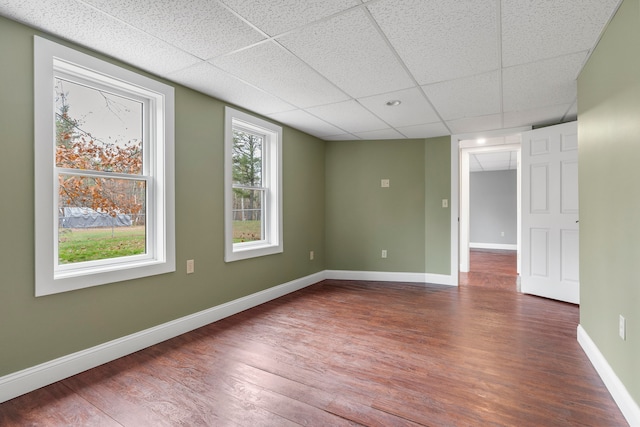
[
  {"x": 465, "y": 194},
  {"x": 455, "y": 189}
]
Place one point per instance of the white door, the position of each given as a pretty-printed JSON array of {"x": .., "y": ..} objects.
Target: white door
[{"x": 550, "y": 213}]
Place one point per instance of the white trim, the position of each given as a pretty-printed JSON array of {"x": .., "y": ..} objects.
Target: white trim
[
  {"x": 272, "y": 220},
  {"x": 383, "y": 276},
  {"x": 455, "y": 189},
  {"x": 29, "y": 379},
  {"x": 621, "y": 396},
  {"x": 49, "y": 60},
  {"x": 501, "y": 246},
  {"x": 32, "y": 378}
]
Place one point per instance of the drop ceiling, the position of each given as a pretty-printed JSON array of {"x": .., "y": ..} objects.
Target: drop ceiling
[
  {"x": 328, "y": 67},
  {"x": 493, "y": 161}
]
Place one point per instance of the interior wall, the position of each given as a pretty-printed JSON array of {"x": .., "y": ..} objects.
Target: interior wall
[
  {"x": 35, "y": 330},
  {"x": 363, "y": 218},
  {"x": 437, "y": 220},
  {"x": 609, "y": 149},
  {"x": 493, "y": 208}
]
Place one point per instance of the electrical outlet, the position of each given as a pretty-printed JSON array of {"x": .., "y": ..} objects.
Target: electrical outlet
[
  {"x": 622, "y": 327},
  {"x": 502, "y": 234},
  {"x": 191, "y": 267},
  {"x": 311, "y": 255},
  {"x": 384, "y": 253}
]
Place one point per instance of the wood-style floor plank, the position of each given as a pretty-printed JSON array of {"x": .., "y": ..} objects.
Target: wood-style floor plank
[
  {"x": 492, "y": 268},
  {"x": 345, "y": 353}
]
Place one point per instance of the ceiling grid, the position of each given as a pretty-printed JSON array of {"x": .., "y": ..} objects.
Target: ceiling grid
[{"x": 329, "y": 67}]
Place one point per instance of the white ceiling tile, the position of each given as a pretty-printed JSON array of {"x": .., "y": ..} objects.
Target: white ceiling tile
[
  {"x": 548, "y": 82},
  {"x": 475, "y": 124},
  {"x": 210, "y": 80},
  {"x": 380, "y": 134},
  {"x": 537, "y": 116},
  {"x": 277, "y": 16},
  {"x": 306, "y": 122},
  {"x": 191, "y": 28},
  {"x": 470, "y": 96},
  {"x": 430, "y": 130},
  {"x": 271, "y": 68},
  {"x": 341, "y": 137},
  {"x": 95, "y": 30},
  {"x": 490, "y": 167},
  {"x": 493, "y": 157},
  {"x": 323, "y": 46},
  {"x": 492, "y": 161},
  {"x": 414, "y": 109},
  {"x": 452, "y": 48},
  {"x": 534, "y": 30},
  {"x": 441, "y": 40},
  {"x": 474, "y": 164},
  {"x": 350, "y": 116}
]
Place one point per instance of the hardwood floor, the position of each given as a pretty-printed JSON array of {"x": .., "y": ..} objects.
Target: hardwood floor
[
  {"x": 491, "y": 268},
  {"x": 343, "y": 353}
]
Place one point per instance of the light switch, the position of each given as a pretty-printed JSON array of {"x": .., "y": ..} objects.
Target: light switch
[
  {"x": 445, "y": 203},
  {"x": 384, "y": 183}
]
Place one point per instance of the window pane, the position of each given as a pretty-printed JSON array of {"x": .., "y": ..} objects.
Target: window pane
[
  {"x": 247, "y": 215},
  {"x": 247, "y": 158},
  {"x": 100, "y": 218},
  {"x": 97, "y": 130}
]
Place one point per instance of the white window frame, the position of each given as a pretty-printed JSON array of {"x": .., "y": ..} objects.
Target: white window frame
[
  {"x": 272, "y": 180},
  {"x": 51, "y": 60}
]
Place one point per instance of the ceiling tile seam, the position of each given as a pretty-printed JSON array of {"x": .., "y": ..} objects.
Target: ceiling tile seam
[
  {"x": 344, "y": 131},
  {"x": 275, "y": 37},
  {"x": 546, "y": 59},
  {"x": 404, "y": 66},
  {"x": 340, "y": 134},
  {"x": 566, "y": 113},
  {"x": 232, "y": 76},
  {"x": 294, "y": 106},
  {"x": 389, "y": 126},
  {"x": 465, "y": 77},
  {"x": 312, "y": 69},
  {"x": 138, "y": 29},
  {"x": 242, "y": 18},
  {"x": 318, "y": 21},
  {"x": 400, "y": 132},
  {"x": 478, "y": 161}
]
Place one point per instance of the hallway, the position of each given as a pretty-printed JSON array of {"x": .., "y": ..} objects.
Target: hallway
[{"x": 491, "y": 268}]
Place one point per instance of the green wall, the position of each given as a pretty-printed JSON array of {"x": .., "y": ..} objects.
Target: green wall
[
  {"x": 35, "y": 330},
  {"x": 333, "y": 205},
  {"x": 609, "y": 152},
  {"x": 437, "y": 168},
  {"x": 362, "y": 218}
]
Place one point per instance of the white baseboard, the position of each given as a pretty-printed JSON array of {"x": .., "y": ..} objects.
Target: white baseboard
[
  {"x": 438, "y": 279},
  {"x": 21, "y": 382},
  {"x": 623, "y": 399},
  {"x": 29, "y": 379},
  {"x": 501, "y": 246}
]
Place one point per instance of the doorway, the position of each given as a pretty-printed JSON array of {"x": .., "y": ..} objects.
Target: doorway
[
  {"x": 498, "y": 150},
  {"x": 490, "y": 201}
]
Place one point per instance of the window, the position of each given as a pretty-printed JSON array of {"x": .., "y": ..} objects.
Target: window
[
  {"x": 253, "y": 186},
  {"x": 104, "y": 143}
]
